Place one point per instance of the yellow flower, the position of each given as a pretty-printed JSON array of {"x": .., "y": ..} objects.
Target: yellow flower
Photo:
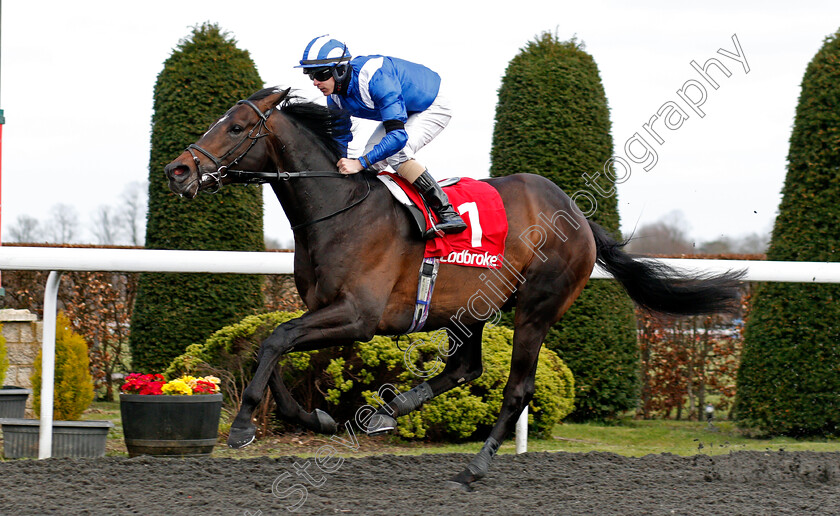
[
  {"x": 212, "y": 379},
  {"x": 189, "y": 380},
  {"x": 178, "y": 386}
]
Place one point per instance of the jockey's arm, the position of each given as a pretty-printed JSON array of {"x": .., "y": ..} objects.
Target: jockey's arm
[
  {"x": 342, "y": 132},
  {"x": 386, "y": 95},
  {"x": 394, "y": 140}
]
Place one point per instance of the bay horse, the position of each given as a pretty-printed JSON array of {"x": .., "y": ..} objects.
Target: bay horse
[{"x": 357, "y": 258}]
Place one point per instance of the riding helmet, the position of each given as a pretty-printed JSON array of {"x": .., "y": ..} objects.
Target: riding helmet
[{"x": 325, "y": 51}]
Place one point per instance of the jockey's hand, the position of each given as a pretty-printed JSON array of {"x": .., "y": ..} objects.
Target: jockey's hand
[{"x": 349, "y": 166}]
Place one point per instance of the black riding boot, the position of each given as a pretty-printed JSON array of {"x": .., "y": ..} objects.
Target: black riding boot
[{"x": 433, "y": 194}]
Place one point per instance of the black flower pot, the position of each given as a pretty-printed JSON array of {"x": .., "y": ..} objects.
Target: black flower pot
[
  {"x": 13, "y": 401},
  {"x": 163, "y": 425}
]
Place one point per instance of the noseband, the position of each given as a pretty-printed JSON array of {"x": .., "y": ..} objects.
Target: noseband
[{"x": 255, "y": 134}]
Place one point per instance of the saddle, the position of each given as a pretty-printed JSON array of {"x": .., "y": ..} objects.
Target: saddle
[
  {"x": 419, "y": 213},
  {"x": 478, "y": 203}
]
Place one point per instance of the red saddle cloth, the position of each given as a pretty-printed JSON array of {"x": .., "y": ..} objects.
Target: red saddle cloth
[{"x": 482, "y": 244}]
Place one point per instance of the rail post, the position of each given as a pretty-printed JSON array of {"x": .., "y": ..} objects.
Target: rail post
[{"x": 48, "y": 365}]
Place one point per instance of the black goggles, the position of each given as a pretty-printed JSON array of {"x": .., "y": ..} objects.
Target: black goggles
[{"x": 319, "y": 74}]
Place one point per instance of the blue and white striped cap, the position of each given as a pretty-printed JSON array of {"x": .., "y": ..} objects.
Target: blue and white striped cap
[{"x": 324, "y": 51}]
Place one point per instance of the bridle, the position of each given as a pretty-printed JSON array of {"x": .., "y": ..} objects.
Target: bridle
[
  {"x": 255, "y": 134},
  {"x": 250, "y": 177}
]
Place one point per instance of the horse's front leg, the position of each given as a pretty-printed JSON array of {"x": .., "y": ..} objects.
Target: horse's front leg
[{"x": 332, "y": 325}]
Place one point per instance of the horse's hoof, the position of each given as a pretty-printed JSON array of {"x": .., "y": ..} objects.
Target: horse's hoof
[
  {"x": 380, "y": 423},
  {"x": 326, "y": 422},
  {"x": 240, "y": 438},
  {"x": 452, "y": 484}
]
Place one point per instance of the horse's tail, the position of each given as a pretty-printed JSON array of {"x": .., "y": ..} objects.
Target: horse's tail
[{"x": 658, "y": 288}]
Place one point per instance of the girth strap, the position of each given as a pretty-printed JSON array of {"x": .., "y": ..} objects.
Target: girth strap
[{"x": 425, "y": 288}]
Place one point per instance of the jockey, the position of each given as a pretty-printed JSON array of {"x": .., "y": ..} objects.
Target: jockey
[{"x": 400, "y": 94}]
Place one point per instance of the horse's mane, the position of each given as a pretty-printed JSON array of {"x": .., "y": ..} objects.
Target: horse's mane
[{"x": 323, "y": 122}]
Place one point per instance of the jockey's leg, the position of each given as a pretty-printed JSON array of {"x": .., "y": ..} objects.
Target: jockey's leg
[
  {"x": 462, "y": 366},
  {"x": 448, "y": 219},
  {"x": 422, "y": 128}
]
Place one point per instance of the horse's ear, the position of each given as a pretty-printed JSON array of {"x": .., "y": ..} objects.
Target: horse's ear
[{"x": 277, "y": 96}]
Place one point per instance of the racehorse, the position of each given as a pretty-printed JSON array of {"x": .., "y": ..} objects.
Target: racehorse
[{"x": 357, "y": 257}]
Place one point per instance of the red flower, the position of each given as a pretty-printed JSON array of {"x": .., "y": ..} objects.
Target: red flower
[
  {"x": 152, "y": 388},
  {"x": 137, "y": 383},
  {"x": 204, "y": 387}
]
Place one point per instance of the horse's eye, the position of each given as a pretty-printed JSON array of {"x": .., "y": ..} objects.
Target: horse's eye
[{"x": 236, "y": 129}]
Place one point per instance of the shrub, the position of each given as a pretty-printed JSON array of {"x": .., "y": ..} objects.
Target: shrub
[
  {"x": 558, "y": 126},
  {"x": 473, "y": 408},
  {"x": 99, "y": 308},
  {"x": 788, "y": 382},
  {"x": 684, "y": 359},
  {"x": 73, "y": 386},
  {"x": 337, "y": 380}
]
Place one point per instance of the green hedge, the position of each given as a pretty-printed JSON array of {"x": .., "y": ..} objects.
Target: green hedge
[
  {"x": 552, "y": 119},
  {"x": 200, "y": 81},
  {"x": 789, "y": 379},
  {"x": 339, "y": 380}
]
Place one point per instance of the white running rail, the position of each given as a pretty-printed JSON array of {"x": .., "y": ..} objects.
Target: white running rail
[{"x": 58, "y": 260}]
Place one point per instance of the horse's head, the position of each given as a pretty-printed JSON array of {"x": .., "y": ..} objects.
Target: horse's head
[{"x": 236, "y": 139}]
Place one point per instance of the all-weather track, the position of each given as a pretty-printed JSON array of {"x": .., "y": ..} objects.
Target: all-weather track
[{"x": 532, "y": 483}]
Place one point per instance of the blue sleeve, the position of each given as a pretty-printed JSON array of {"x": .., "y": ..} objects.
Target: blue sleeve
[
  {"x": 390, "y": 144},
  {"x": 341, "y": 130},
  {"x": 386, "y": 93}
]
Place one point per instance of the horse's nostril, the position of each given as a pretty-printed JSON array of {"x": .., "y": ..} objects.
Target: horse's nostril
[{"x": 176, "y": 171}]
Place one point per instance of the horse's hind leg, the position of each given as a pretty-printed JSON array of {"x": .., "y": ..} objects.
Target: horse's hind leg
[
  {"x": 542, "y": 301},
  {"x": 290, "y": 409},
  {"x": 517, "y": 394},
  {"x": 463, "y": 365}
]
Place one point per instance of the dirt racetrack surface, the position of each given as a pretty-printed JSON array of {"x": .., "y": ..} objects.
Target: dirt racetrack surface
[{"x": 532, "y": 483}]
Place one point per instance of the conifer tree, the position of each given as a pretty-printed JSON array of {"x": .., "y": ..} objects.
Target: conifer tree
[
  {"x": 552, "y": 119},
  {"x": 789, "y": 378},
  {"x": 205, "y": 75}
]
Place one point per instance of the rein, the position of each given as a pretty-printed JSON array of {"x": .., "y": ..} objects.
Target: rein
[
  {"x": 333, "y": 214},
  {"x": 257, "y": 178},
  {"x": 249, "y": 177}
]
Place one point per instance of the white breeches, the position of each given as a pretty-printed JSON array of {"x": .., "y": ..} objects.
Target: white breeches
[{"x": 421, "y": 128}]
